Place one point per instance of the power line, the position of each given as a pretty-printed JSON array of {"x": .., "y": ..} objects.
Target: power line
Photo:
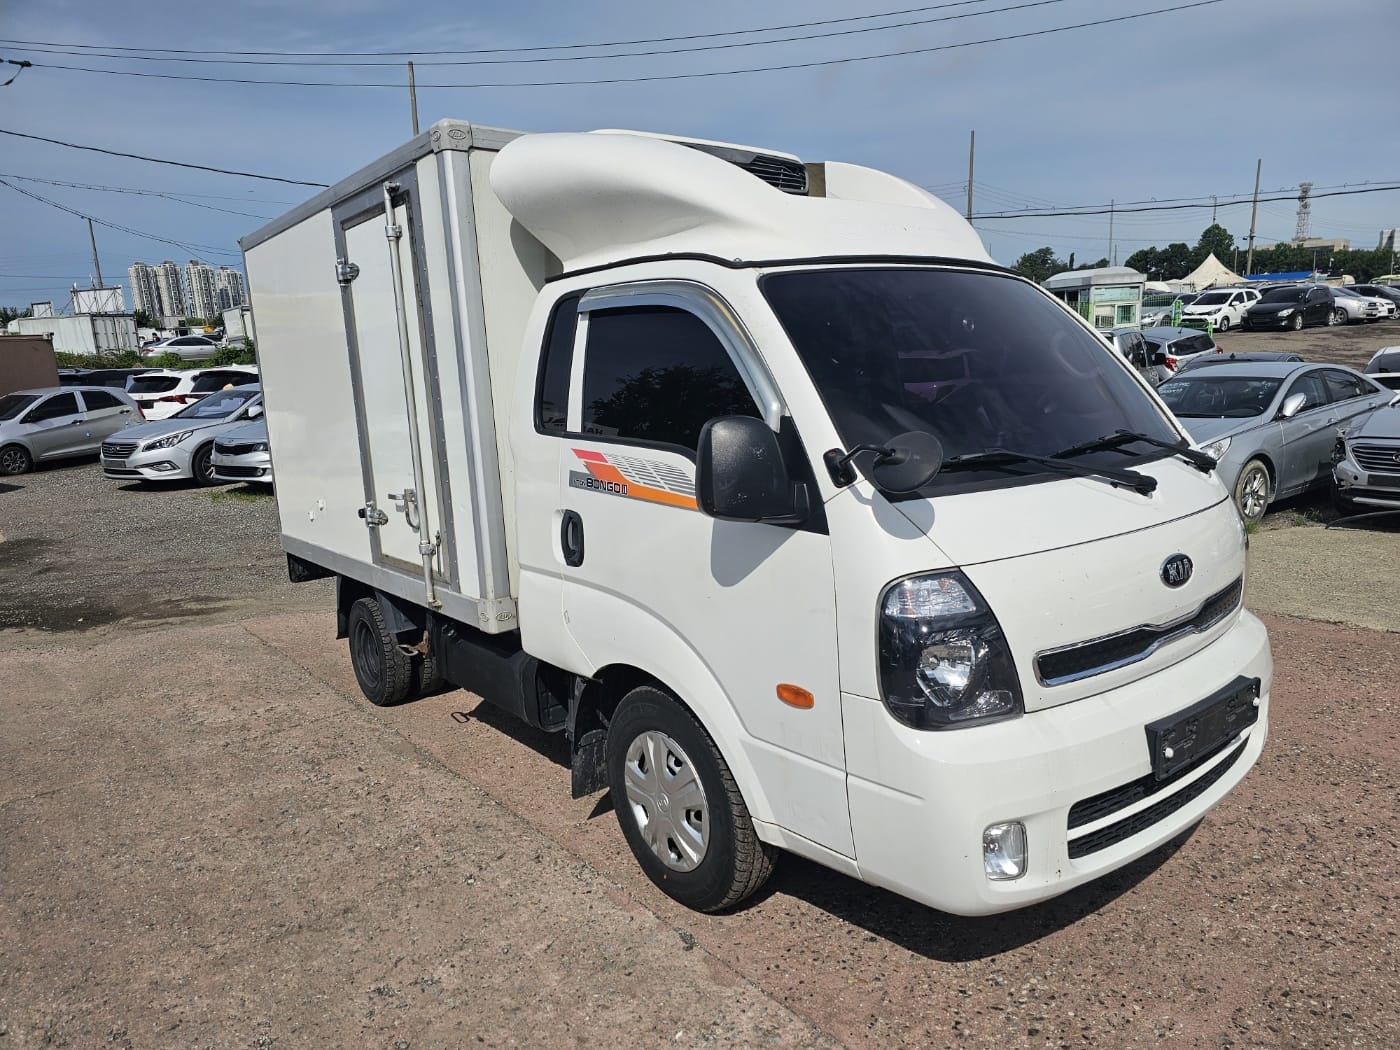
[
  {"x": 553, "y": 58},
  {"x": 516, "y": 50},
  {"x": 124, "y": 189},
  {"x": 815, "y": 64},
  {"x": 1170, "y": 207},
  {"x": 157, "y": 160},
  {"x": 193, "y": 249}
]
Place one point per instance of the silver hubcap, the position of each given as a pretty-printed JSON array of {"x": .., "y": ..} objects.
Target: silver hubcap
[
  {"x": 667, "y": 800},
  {"x": 1254, "y": 494},
  {"x": 11, "y": 461}
]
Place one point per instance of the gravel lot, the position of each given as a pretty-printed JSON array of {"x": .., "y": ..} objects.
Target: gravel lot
[{"x": 208, "y": 838}]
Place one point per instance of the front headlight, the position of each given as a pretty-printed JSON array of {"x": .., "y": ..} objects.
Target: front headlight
[
  {"x": 1339, "y": 449},
  {"x": 169, "y": 441},
  {"x": 1217, "y": 448},
  {"x": 259, "y": 446},
  {"x": 1285, "y": 313},
  {"x": 944, "y": 661}
]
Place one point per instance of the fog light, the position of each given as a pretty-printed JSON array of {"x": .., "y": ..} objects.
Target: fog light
[
  {"x": 1004, "y": 851},
  {"x": 164, "y": 464}
]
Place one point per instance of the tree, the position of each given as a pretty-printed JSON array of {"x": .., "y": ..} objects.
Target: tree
[
  {"x": 1039, "y": 264},
  {"x": 143, "y": 319},
  {"x": 1176, "y": 261},
  {"x": 1146, "y": 261},
  {"x": 1098, "y": 264},
  {"x": 1216, "y": 240}
]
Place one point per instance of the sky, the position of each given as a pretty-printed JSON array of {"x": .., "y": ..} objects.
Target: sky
[{"x": 1179, "y": 104}]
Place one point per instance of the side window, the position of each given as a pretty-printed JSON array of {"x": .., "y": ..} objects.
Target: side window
[
  {"x": 96, "y": 400},
  {"x": 1311, "y": 385},
  {"x": 54, "y": 408},
  {"x": 1344, "y": 387},
  {"x": 1193, "y": 344},
  {"x": 657, "y": 374},
  {"x": 552, "y": 385}
]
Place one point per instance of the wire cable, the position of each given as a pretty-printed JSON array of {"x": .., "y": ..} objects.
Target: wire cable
[
  {"x": 1171, "y": 207},
  {"x": 142, "y": 193},
  {"x": 158, "y": 160}
]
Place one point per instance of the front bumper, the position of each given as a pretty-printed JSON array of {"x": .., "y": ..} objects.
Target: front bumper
[
  {"x": 1372, "y": 488},
  {"x": 1267, "y": 321},
  {"x": 163, "y": 464},
  {"x": 920, "y": 800},
  {"x": 250, "y": 467}
]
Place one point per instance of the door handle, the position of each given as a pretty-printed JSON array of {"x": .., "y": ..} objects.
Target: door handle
[{"x": 571, "y": 538}]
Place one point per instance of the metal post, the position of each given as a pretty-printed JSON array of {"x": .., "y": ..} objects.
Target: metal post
[
  {"x": 95, "y": 264},
  {"x": 971, "y": 151},
  {"x": 1112, "y": 252},
  {"x": 413, "y": 97},
  {"x": 1253, "y": 214}
]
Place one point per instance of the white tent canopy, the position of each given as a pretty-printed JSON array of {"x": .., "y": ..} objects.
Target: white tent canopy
[{"x": 1211, "y": 273}]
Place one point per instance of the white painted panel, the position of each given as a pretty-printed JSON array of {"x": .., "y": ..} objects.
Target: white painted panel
[{"x": 306, "y": 383}]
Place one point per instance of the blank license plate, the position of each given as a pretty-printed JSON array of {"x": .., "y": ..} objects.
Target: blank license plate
[{"x": 1190, "y": 735}]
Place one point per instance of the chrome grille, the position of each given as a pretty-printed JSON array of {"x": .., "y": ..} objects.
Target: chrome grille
[
  {"x": 1098, "y": 655},
  {"x": 118, "y": 449},
  {"x": 1378, "y": 457}
]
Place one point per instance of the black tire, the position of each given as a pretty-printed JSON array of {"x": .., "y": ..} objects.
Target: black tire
[
  {"x": 1254, "y": 490},
  {"x": 382, "y": 667},
  {"x": 1339, "y": 317},
  {"x": 426, "y": 679},
  {"x": 1297, "y": 322},
  {"x": 15, "y": 459},
  {"x": 202, "y": 466},
  {"x": 1344, "y": 507},
  {"x": 1224, "y": 325},
  {"x": 734, "y": 862}
]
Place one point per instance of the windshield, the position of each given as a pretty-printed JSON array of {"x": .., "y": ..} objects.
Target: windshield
[
  {"x": 1283, "y": 295},
  {"x": 979, "y": 360},
  {"x": 218, "y": 405},
  {"x": 1208, "y": 396},
  {"x": 1212, "y": 299},
  {"x": 11, "y": 405}
]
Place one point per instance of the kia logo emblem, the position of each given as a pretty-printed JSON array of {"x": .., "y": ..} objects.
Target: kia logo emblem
[{"x": 1176, "y": 570}]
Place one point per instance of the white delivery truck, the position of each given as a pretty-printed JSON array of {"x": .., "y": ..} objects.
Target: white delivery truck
[{"x": 811, "y": 527}]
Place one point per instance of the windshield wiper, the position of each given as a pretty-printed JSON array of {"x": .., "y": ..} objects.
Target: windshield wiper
[
  {"x": 1005, "y": 457},
  {"x": 1202, "y": 462}
]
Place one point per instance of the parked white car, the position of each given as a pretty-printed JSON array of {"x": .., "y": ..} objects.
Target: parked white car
[
  {"x": 242, "y": 454},
  {"x": 190, "y": 347},
  {"x": 1358, "y": 307},
  {"x": 1223, "y": 307},
  {"x": 161, "y": 393},
  {"x": 182, "y": 446},
  {"x": 57, "y": 422}
]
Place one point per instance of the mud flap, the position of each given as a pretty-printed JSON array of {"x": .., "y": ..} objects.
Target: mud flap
[{"x": 590, "y": 763}]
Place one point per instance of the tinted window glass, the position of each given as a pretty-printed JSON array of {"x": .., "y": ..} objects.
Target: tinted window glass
[
  {"x": 552, "y": 391},
  {"x": 153, "y": 384},
  {"x": 1389, "y": 361},
  {"x": 978, "y": 360},
  {"x": 96, "y": 399},
  {"x": 1311, "y": 385},
  {"x": 53, "y": 408},
  {"x": 1193, "y": 344},
  {"x": 12, "y": 405},
  {"x": 1201, "y": 395},
  {"x": 1282, "y": 295},
  {"x": 1213, "y": 299},
  {"x": 210, "y": 381},
  {"x": 1346, "y": 386},
  {"x": 657, "y": 374},
  {"x": 217, "y": 405}
]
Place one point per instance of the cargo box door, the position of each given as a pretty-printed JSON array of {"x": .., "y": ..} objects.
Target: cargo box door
[{"x": 385, "y": 389}]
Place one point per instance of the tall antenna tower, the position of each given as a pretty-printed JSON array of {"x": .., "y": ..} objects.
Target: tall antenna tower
[{"x": 1304, "y": 230}]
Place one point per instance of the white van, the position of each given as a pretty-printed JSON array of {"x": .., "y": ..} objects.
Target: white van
[{"x": 810, "y": 526}]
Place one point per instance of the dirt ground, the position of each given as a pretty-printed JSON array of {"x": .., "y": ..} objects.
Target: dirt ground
[
  {"x": 1352, "y": 344},
  {"x": 208, "y": 838}
]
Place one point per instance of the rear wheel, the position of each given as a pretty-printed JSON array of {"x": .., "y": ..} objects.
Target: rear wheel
[
  {"x": 202, "y": 465},
  {"x": 1252, "y": 491},
  {"x": 383, "y": 667},
  {"x": 15, "y": 459},
  {"x": 679, "y": 807}
]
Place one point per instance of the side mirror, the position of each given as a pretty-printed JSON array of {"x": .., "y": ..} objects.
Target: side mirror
[
  {"x": 1292, "y": 405},
  {"x": 255, "y": 412},
  {"x": 740, "y": 474}
]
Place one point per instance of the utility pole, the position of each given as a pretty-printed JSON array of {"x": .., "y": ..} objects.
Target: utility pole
[
  {"x": 1213, "y": 205},
  {"x": 971, "y": 150},
  {"x": 1253, "y": 214},
  {"x": 1112, "y": 251},
  {"x": 413, "y": 97},
  {"x": 95, "y": 264}
]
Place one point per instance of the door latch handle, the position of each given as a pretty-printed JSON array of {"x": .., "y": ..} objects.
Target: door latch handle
[
  {"x": 571, "y": 538},
  {"x": 373, "y": 517},
  {"x": 408, "y": 506}
]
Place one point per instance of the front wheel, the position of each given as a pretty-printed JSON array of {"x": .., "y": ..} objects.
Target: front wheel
[
  {"x": 1224, "y": 325},
  {"x": 1344, "y": 507},
  {"x": 1297, "y": 323},
  {"x": 1339, "y": 316},
  {"x": 1252, "y": 491},
  {"x": 15, "y": 459},
  {"x": 202, "y": 465},
  {"x": 678, "y": 805}
]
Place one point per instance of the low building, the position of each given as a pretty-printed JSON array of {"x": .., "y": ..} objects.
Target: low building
[
  {"x": 1108, "y": 296},
  {"x": 86, "y": 334},
  {"x": 26, "y": 363}
]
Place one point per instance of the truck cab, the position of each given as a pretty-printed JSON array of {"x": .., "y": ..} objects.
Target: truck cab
[{"x": 813, "y": 528}]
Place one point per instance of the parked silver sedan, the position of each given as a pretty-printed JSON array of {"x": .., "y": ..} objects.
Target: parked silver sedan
[
  {"x": 242, "y": 454},
  {"x": 181, "y": 446},
  {"x": 1271, "y": 427},
  {"x": 57, "y": 422},
  {"x": 1366, "y": 463}
]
